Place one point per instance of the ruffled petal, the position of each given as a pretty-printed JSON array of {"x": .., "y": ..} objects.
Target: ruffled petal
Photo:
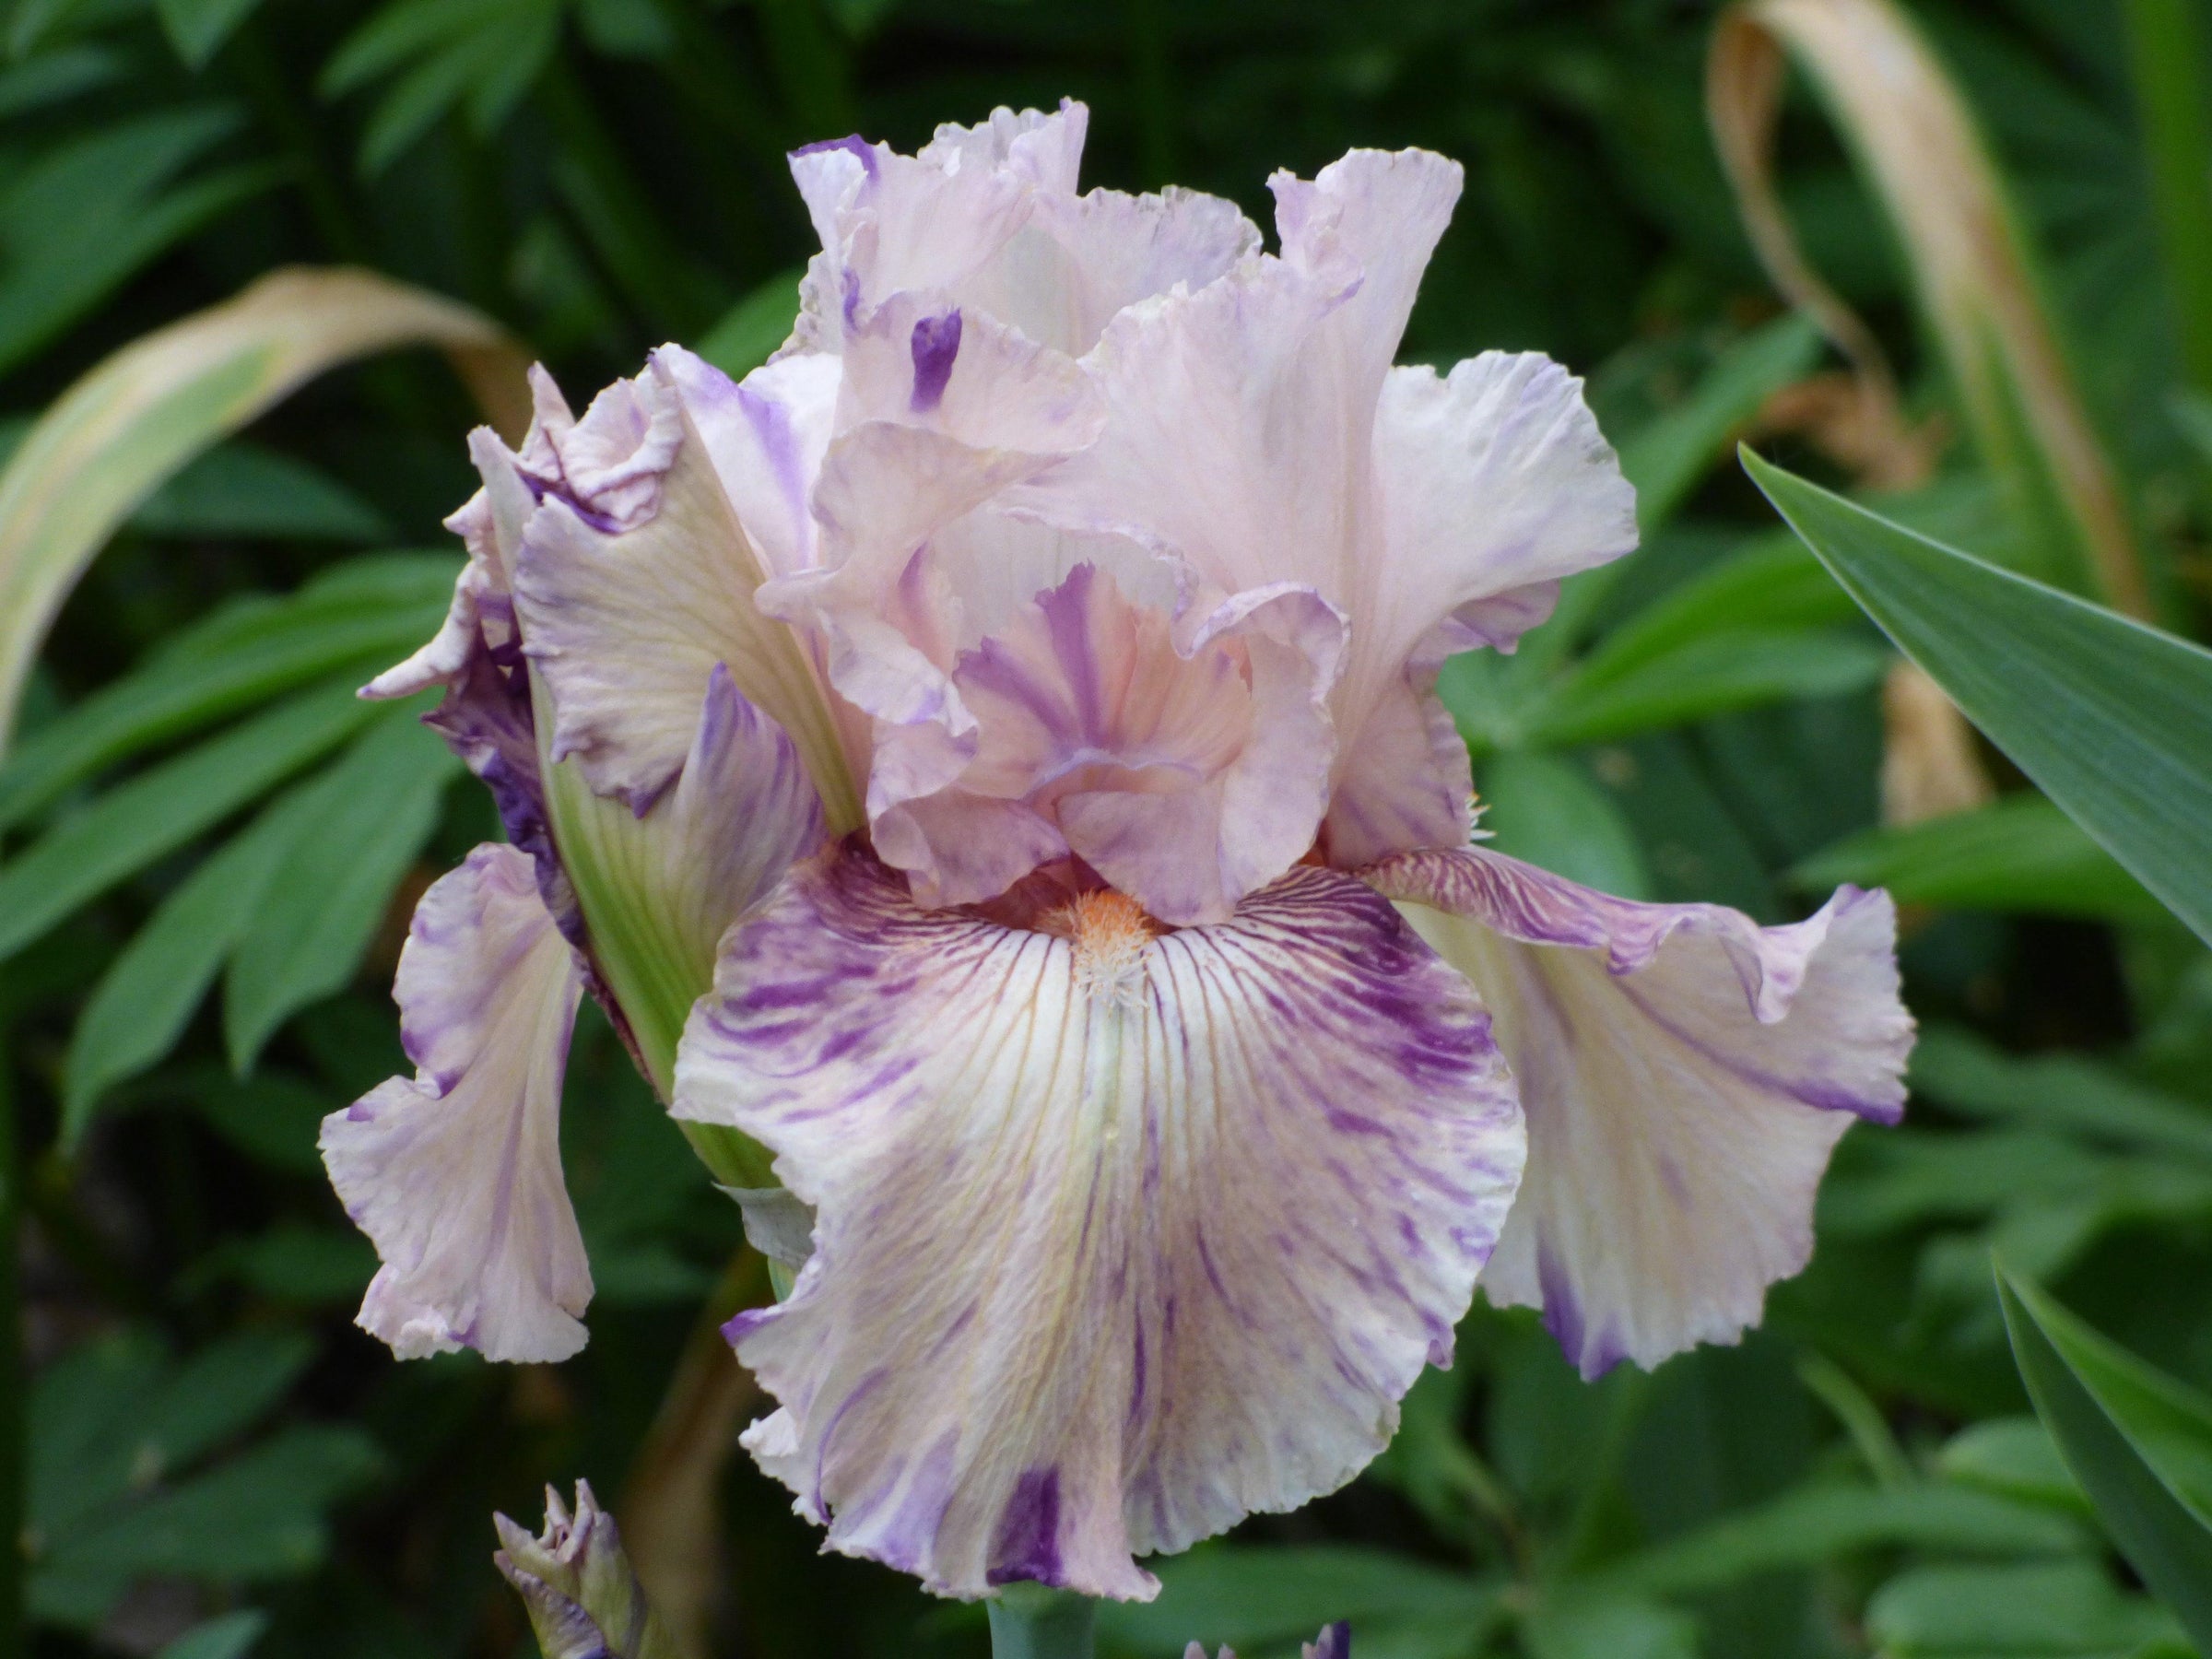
[
  {"x": 455, "y": 1175},
  {"x": 891, "y": 223},
  {"x": 765, "y": 438},
  {"x": 949, "y": 411},
  {"x": 1249, "y": 1172},
  {"x": 1082, "y": 259},
  {"x": 742, "y": 812},
  {"x": 1495, "y": 482},
  {"x": 625, "y": 625},
  {"x": 489, "y": 525},
  {"x": 1686, "y": 1074},
  {"x": 1186, "y": 772}
]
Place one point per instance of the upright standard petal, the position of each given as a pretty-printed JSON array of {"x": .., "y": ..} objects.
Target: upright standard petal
[
  {"x": 1248, "y": 1173},
  {"x": 1257, "y": 427},
  {"x": 455, "y": 1173},
  {"x": 625, "y": 621},
  {"x": 1187, "y": 776},
  {"x": 1686, "y": 1074},
  {"x": 1494, "y": 482}
]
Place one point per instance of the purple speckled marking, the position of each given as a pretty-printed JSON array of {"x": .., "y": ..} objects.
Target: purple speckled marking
[
  {"x": 844, "y": 1034},
  {"x": 935, "y": 345},
  {"x": 1027, "y": 1543}
]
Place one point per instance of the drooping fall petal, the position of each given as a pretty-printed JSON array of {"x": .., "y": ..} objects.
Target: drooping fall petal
[
  {"x": 1686, "y": 1074},
  {"x": 455, "y": 1173},
  {"x": 1119, "y": 1235}
]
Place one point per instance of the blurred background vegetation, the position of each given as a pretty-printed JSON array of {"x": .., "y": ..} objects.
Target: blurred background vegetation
[{"x": 207, "y": 850}]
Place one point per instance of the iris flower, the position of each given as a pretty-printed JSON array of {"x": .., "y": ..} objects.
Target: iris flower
[{"x": 1009, "y": 714}]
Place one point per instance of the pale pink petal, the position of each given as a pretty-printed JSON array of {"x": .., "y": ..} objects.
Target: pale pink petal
[
  {"x": 1082, "y": 259},
  {"x": 489, "y": 525},
  {"x": 743, "y": 810},
  {"x": 1495, "y": 482},
  {"x": 1186, "y": 772},
  {"x": 1248, "y": 1171},
  {"x": 1686, "y": 1074},
  {"x": 455, "y": 1175},
  {"x": 1405, "y": 781},
  {"x": 765, "y": 436},
  {"x": 1256, "y": 429},
  {"x": 1044, "y": 148},
  {"x": 1372, "y": 218},
  {"x": 949, "y": 411},
  {"x": 891, "y": 223},
  {"x": 625, "y": 625}
]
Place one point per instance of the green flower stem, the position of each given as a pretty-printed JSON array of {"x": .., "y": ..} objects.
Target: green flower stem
[{"x": 1028, "y": 1622}]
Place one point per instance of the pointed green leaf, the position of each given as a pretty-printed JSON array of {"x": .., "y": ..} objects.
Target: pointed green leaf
[
  {"x": 197, "y": 28},
  {"x": 323, "y": 904},
  {"x": 239, "y": 488},
  {"x": 2113, "y": 720},
  {"x": 2139, "y": 1442},
  {"x": 751, "y": 329},
  {"x": 136, "y": 822},
  {"x": 143, "y": 1002},
  {"x": 194, "y": 685},
  {"x": 1735, "y": 669},
  {"x": 2066, "y": 1607}
]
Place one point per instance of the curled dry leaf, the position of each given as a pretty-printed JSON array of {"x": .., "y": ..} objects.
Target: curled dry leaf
[
  {"x": 1972, "y": 265},
  {"x": 141, "y": 414}
]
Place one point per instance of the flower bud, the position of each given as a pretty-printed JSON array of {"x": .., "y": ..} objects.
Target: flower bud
[{"x": 585, "y": 1601}]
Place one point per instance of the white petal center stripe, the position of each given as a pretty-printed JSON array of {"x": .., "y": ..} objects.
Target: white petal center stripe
[
  {"x": 1119, "y": 1237},
  {"x": 1685, "y": 1075},
  {"x": 455, "y": 1175}
]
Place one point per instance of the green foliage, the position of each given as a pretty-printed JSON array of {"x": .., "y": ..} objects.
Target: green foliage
[
  {"x": 194, "y": 795},
  {"x": 126, "y": 1478},
  {"x": 2112, "y": 719},
  {"x": 2139, "y": 1442}
]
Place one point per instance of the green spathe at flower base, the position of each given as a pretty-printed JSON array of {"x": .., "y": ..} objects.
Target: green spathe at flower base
[{"x": 584, "y": 1599}]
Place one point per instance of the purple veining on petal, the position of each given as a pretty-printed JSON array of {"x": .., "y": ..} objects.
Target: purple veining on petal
[
  {"x": 1686, "y": 1073},
  {"x": 1810, "y": 1091},
  {"x": 1026, "y": 1544},
  {"x": 891, "y": 1056},
  {"x": 935, "y": 344},
  {"x": 485, "y": 720}
]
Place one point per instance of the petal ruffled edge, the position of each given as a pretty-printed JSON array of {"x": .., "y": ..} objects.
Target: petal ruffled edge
[
  {"x": 455, "y": 1173},
  {"x": 1686, "y": 1074},
  {"x": 1254, "y": 1170}
]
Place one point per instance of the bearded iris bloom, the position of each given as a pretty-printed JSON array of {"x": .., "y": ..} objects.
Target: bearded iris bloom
[{"x": 1009, "y": 713}]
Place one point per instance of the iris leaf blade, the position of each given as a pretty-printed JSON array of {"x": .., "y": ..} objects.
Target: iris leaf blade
[
  {"x": 2139, "y": 1442},
  {"x": 2111, "y": 718},
  {"x": 141, "y": 1005}
]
